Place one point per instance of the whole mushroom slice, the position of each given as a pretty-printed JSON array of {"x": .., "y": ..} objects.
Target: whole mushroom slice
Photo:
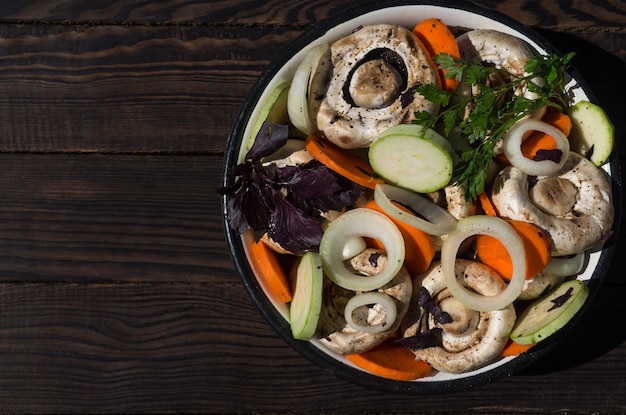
[
  {"x": 574, "y": 206},
  {"x": 372, "y": 88},
  {"x": 337, "y": 335},
  {"x": 472, "y": 338}
]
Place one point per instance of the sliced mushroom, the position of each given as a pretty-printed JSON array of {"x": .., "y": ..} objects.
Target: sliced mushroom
[
  {"x": 497, "y": 48},
  {"x": 337, "y": 335},
  {"x": 368, "y": 263},
  {"x": 452, "y": 197},
  {"x": 574, "y": 206},
  {"x": 375, "y": 72},
  {"x": 456, "y": 203},
  {"x": 473, "y": 338},
  {"x": 291, "y": 154},
  {"x": 294, "y": 159},
  {"x": 536, "y": 286},
  {"x": 502, "y": 51}
]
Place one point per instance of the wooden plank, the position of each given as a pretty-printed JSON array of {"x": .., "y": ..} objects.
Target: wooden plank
[
  {"x": 273, "y": 12},
  {"x": 127, "y": 88},
  {"x": 111, "y": 218},
  {"x": 133, "y": 218},
  {"x": 601, "y": 13},
  {"x": 204, "y": 348},
  {"x": 171, "y": 89}
]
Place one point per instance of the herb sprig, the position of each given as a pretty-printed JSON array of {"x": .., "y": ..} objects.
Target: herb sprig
[{"x": 482, "y": 118}]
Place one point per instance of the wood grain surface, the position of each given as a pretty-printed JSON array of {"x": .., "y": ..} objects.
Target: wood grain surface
[{"x": 117, "y": 291}]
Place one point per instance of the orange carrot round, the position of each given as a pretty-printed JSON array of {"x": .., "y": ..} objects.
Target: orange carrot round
[
  {"x": 418, "y": 245},
  {"x": 342, "y": 162},
  {"x": 270, "y": 271},
  {"x": 437, "y": 38},
  {"x": 536, "y": 141},
  {"x": 558, "y": 119},
  {"x": 514, "y": 349},
  {"x": 536, "y": 243},
  {"x": 486, "y": 205},
  {"x": 542, "y": 141},
  {"x": 392, "y": 362}
]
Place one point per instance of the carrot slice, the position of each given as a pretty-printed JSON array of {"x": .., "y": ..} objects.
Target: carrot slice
[
  {"x": 391, "y": 361},
  {"x": 270, "y": 271},
  {"x": 418, "y": 245},
  {"x": 342, "y": 162},
  {"x": 536, "y": 141},
  {"x": 558, "y": 119},
  {"x": 536, "y": 243},
  {"x": 486, "y": 205},
  {"x": 438, "y": 38},
  {"x": 514, "y": 349},
  {"x": 542, "y": 141}
]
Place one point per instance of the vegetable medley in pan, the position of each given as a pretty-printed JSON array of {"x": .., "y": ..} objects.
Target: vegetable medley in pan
[{"x": 424, "y": 198}]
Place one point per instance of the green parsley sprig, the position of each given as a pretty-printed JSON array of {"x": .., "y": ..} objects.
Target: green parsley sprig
[{"x": 483, "y": 118}]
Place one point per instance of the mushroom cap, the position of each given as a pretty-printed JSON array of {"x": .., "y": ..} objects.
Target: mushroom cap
[
  {"x": 585, "y": 224},
  {"x": 498, "y": 48},
  {"x": 375, "y": 71},
  {"x": 335, "y": 333},
  {"x": 473, "y": 338}
]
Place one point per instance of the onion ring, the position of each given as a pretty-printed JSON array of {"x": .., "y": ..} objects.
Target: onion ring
[
  {"x": 389, "y": 310},
  {"x": 513, "y": 141},
  {"x": 497, "y": 228},
  {"x": 566, "y": 267},
  {"x": 353, "y": 246},
  {"x": 361, "y": 222},
  {"x": 438, "y": 221}
]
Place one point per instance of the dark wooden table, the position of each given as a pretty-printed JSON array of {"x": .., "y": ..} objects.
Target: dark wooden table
[{"x": 117, "y": 292}]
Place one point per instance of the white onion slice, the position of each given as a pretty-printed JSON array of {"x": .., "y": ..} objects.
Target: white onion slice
[
  {"x": 513, "y": 152},
  {"x": 565, "y": 267},
  {"x": 354, "y": 245},
  {"x": 297, "y": 100},
  {"x": 364, "y": 300},
  {"x": 438, "y": 221},
  {"x": 497, "y": 228},
  {"x": 361, "y": 222}
]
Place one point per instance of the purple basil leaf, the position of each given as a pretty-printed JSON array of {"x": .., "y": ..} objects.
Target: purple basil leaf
[
  {"x": 337, "y": 201},
  {"x": 561, "y": 299},
  {"x": 256, "y": 205},
  {"x": 407, "y": 97},
  {"x": 330, "y": 192},
  {"x": 309, "y": 183},
  {"x": 423, "y": 340},
  {"x": 292, "y": 229},
  {"x": 239, "y": 172},
  {"x": 554, "y": 155},
  {"x": 269, "y": 139},
  {"x": 427, "y": 303},
  {"x": 235, "y": 213},
  {"x": 315, "y": 186}
]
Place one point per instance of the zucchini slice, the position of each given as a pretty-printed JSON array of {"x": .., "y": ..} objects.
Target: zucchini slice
[
  {"x": 592, "y": 134},
  {"x": 413, "y": 157},
  {"x": 274, "y": 110},
  {"x": 550, "y": 313},
  {"x": 307, "y": 297}
]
